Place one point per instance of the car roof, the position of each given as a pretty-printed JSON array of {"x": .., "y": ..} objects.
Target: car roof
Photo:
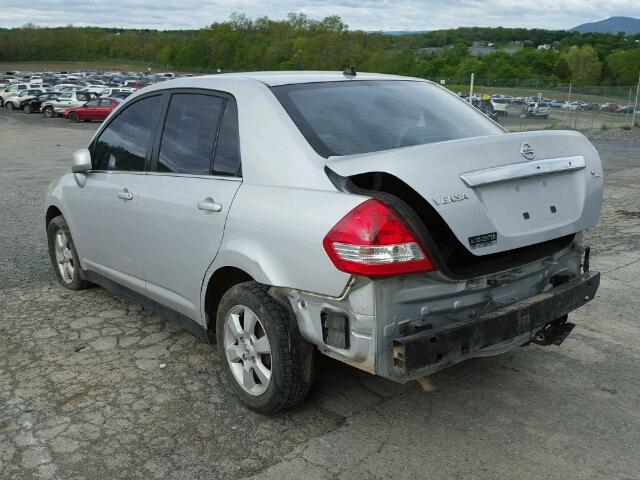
[
  {"x": 286, "y": 78},
  {"x": 273, "y": 79}
]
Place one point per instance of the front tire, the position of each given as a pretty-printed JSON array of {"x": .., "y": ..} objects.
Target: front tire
[
  {"x": 64, "y": 256},
  {"x": 48, "y": 112},
  {"x": 262, "y": 349},
  {"x": 9, "y": 106},
  {"x": 27, "y": 109}
]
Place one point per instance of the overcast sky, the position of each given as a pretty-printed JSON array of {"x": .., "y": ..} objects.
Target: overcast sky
[{"x": 358, "y": 14}]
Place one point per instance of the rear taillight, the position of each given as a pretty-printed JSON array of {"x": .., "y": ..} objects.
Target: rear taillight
[{"x": 371, "y": 240}]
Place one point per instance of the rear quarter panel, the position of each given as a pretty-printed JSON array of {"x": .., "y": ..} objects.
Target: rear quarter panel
[{"x": 275, "y": 234}]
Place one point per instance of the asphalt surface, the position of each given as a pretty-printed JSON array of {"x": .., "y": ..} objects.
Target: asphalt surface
[{"x": 95, "y": 387}]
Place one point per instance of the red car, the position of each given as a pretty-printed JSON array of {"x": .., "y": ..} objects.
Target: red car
[{"x": 97, "y": 109}]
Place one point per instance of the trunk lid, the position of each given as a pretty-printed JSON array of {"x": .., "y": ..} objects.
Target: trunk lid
[{"x": 499, "y": 192}]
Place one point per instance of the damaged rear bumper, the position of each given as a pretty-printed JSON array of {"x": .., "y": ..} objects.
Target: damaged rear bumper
[{"x": 434, "y": 349}]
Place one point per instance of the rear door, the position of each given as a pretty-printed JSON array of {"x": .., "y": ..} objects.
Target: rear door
[
  {"x": 103, "y": 109},
  {"x": 105, "y": 209},
  {"x": 186, "y": 196},
  {"x": 63, "y": 102}
]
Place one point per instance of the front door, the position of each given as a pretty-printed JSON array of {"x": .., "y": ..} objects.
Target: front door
[
  {"x": 186, "y": 197},
  {"x": 105, "y": 209}
]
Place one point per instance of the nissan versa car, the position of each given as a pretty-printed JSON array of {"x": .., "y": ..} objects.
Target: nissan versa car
[{"x": 379, "y": 220}]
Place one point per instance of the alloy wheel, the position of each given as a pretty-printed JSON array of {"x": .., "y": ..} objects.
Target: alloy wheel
[
  {"x": 64, "y": 256},
  {"x": 248, "y": 350}
]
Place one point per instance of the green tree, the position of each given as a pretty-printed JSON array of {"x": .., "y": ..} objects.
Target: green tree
[
  {"x": 584, "y": 65},
  {"x": 624, "y": 66}
]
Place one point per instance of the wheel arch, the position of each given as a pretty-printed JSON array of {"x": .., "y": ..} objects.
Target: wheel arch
[
  {"x": 52, "y": 212},
  {"x": 221, "y": 280}
]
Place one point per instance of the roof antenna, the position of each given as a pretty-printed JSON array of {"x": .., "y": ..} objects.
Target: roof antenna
[{"x": 350, "y": 71}]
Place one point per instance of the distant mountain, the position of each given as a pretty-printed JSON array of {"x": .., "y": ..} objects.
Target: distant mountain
[{"x": 629, "y": 25}]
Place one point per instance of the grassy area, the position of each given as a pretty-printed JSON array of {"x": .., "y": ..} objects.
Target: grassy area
[{"x": 547, "y": 93}]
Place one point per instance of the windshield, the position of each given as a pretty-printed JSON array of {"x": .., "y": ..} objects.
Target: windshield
[{"x": 345, "y": 118}]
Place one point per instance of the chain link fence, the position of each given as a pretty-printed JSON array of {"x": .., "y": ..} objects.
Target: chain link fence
[{"x": 521, "y": 105}]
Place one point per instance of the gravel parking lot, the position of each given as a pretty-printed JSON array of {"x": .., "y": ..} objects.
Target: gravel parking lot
[{"x": 95, "y": 387}]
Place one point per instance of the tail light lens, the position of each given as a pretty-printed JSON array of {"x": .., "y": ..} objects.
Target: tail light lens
[{"x": 372, "y": 241}]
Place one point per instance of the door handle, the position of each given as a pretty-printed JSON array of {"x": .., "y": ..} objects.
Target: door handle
[
  {"x": 208, "y": 205},
  {"x": 125, "y": 195}
]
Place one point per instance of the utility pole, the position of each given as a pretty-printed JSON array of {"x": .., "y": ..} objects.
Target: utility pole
[
  {"x": 566, "y": 113},
  {"x": 471, "y": 89},
  {"x": 635, "y": 106}
]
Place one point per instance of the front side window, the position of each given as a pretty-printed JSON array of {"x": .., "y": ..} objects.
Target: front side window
[
  {"x": 345, "y": 118},
  {"x": 227, "y": 157},
  {"x": 92, "y": 103},
  {"x": 189, "y": 133},
  {"x": 123, "y": 145},
  {"x": 103, "y": 103}
]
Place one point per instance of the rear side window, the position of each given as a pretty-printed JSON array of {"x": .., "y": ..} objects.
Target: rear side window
[
  {"x": 227, "y": 156},
  {"x": 351, "y": 117},
  {"x": 189, "y": 134},
  {"x": 123, "y": 145}
]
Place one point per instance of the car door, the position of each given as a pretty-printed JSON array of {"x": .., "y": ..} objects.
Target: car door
[
  {"x": 184, "y": 202},
  {"x": 104, "y": 210},
  {"x": 103, "y": 109},
  {"x": 87, "y": 111},
  {"x": 62, "y": 102}
]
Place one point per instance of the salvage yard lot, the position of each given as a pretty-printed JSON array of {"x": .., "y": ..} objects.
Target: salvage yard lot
[{"x": 95, "y": 387}]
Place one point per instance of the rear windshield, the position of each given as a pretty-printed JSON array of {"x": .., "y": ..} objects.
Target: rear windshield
[{"x": 346, "y": 118}]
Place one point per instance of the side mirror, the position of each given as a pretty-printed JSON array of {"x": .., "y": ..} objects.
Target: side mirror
[{"x": 81, "y": 161}]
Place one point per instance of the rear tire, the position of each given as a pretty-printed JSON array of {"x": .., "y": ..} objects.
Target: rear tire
[
  {"x": 262, "y": 349},
  {"x": 9, "y": 106},
  {"x": 27, "y": 109},
  {"x": 48, "y": 112},
  {"x": 74, "y": 117},
  {"x": 64, "y": 256}
]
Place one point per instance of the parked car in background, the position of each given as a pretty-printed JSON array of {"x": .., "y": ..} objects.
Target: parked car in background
[
  {"x": 609, "y": 107},
  {"x": 536, "y": 110},
  {"x": 32, "y": 105},
  {"x": 12, "y": 90},
  {"x": 16, "y": 102},
  {"x": 65, "y": 100},
  {"x": 557, "y": 104},
  {"x": 590, "y": 107},
  {"x": 484, "y": 104},
  {"x": 627, "y": 109},
  {"x": 376, "y": 219},
  {"x": 96, "y": 109},
  {"x": 66, "y": 87},
  {"x": 97, "y": 89},
  {"x": 500, "y": 106}
]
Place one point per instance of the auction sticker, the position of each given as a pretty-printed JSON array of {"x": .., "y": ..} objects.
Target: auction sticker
[{"x": 484, "y": 240}]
